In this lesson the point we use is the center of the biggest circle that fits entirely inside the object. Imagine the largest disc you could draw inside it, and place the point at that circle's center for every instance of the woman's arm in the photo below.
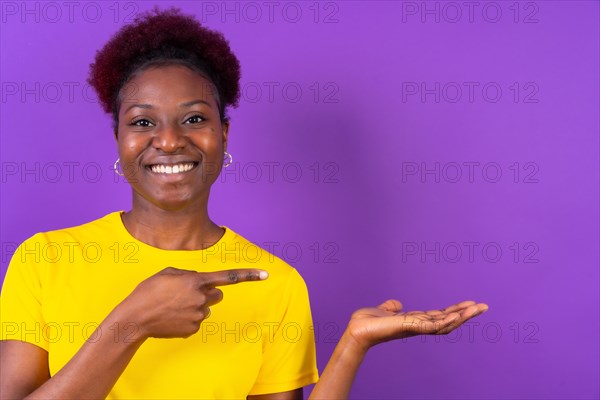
(370, 326)
(337, 378)
(23, 368)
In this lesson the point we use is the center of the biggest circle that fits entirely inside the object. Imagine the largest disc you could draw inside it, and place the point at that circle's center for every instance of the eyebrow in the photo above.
(186, 104)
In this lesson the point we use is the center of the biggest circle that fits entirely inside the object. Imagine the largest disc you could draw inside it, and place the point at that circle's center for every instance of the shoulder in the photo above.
(104, 224)
(109, 221)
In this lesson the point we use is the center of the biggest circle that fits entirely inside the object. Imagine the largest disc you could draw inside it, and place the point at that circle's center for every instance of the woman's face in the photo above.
(170, 136)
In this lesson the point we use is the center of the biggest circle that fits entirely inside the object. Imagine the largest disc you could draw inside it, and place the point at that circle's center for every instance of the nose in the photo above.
(169, 139)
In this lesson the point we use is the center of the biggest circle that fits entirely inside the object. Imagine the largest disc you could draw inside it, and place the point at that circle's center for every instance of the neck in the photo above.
(189, 228)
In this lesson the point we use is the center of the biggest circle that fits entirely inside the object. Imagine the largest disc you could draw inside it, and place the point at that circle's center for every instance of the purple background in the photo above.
(365, 223)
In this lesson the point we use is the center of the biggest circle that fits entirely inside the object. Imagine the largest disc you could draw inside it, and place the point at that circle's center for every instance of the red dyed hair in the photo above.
(161, 38)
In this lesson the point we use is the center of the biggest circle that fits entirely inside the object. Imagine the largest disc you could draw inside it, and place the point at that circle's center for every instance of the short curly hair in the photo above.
(158, 38)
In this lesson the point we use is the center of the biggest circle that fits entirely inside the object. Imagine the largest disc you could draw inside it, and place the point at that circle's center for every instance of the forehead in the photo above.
(168, 83)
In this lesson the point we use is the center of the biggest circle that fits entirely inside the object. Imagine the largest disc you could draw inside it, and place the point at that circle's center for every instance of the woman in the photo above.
(86, 311)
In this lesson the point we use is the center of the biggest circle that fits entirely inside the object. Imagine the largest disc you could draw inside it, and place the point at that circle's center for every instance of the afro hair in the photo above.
(160, 38)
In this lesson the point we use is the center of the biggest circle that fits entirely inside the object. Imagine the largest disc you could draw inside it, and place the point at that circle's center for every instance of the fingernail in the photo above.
(263, 275)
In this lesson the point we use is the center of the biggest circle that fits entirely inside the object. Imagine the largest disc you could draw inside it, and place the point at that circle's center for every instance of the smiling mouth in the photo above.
(172, 168)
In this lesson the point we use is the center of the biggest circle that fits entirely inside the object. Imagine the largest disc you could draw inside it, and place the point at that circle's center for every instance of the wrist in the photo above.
(352, 346)
(124, 327)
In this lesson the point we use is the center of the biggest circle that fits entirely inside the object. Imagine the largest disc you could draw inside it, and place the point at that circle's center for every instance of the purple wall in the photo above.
(431, 152)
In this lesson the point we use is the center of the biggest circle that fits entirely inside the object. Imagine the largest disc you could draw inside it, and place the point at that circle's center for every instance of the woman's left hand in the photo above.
(370, 326)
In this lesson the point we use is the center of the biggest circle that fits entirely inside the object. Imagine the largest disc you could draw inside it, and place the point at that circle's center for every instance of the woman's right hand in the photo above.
(173, 302)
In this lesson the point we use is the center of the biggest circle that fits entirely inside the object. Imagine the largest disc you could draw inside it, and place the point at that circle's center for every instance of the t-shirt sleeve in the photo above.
(21, 316)
(289, 353)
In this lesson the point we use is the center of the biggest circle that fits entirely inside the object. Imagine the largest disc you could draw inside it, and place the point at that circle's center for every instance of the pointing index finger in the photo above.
(232, 276)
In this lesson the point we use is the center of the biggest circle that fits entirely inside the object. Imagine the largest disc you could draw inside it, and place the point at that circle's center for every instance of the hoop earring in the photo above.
(116, 167)
(227, 159)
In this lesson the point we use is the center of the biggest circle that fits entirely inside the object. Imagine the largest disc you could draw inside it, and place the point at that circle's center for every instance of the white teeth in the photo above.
(172, 169)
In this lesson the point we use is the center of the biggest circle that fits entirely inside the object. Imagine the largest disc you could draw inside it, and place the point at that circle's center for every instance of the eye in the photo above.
(141, 122)
(195, 119)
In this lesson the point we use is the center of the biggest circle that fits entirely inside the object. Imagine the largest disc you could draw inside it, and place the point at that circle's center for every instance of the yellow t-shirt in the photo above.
(60, 285)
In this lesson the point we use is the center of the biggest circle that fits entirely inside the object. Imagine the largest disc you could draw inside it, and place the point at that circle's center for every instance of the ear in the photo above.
(225, 128)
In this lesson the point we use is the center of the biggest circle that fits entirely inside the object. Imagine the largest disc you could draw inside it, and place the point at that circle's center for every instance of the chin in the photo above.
(174, 200)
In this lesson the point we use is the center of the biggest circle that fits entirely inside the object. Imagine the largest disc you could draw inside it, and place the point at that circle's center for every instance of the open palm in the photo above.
(370, 326)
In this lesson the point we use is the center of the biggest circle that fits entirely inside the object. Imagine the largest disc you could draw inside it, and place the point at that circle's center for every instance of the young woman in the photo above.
(169, 304)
